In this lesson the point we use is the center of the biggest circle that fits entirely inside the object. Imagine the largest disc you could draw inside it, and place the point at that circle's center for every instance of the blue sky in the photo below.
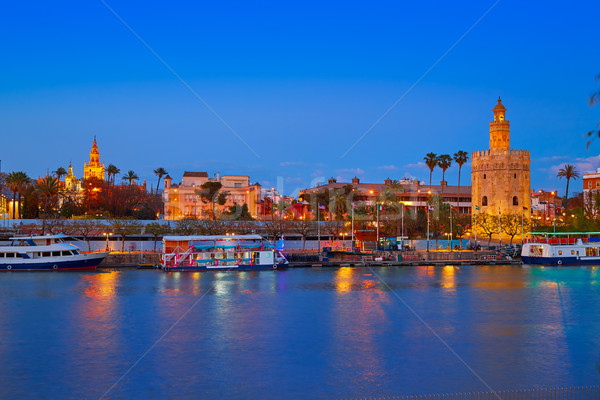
(299, 82)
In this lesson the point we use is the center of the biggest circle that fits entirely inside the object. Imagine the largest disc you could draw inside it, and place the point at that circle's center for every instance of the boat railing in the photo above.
(556, 241)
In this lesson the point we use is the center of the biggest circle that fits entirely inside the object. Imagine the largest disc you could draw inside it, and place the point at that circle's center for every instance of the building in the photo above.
(72, 184)
(94, 170)
(500, 176)
(545, 206)
(183, 199)
(591, 187)
(413, 193)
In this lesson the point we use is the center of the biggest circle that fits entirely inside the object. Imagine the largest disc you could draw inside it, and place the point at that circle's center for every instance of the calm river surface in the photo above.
(303, 333)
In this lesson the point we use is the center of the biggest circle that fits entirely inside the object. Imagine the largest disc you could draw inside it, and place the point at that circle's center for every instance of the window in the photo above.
(560, 252)
(484, 201)
(56, 254)
(515, 201)
(46, 254)
(515, 176)
(589, 184)
(237, 185)
(597, 183)
(483, 176)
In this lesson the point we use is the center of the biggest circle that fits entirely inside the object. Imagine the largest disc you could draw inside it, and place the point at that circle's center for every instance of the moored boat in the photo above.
(220, 252)
(46, 253)
(562, 248)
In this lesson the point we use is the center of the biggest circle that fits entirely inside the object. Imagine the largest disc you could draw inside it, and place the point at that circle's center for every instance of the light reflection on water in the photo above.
(297, 333)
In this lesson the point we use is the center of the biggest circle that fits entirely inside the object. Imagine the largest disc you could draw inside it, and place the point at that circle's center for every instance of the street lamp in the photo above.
(107, 236)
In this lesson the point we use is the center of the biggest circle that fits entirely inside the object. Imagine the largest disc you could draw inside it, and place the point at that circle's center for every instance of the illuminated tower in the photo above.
(94, 169)
(500, 176)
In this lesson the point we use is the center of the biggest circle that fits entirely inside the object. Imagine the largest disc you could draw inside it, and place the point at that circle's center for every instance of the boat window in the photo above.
(2, 255)
(46, 254)
(56, 254)
(560, 252)
(572, 252)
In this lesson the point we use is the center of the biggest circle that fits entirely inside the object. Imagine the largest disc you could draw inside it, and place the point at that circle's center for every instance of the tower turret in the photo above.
(499, 129)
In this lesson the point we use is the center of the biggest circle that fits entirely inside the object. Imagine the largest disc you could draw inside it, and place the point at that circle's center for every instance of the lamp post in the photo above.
(107, 236)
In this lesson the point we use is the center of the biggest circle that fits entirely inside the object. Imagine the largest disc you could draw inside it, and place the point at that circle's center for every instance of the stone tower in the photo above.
(500, 176)
(94, 169)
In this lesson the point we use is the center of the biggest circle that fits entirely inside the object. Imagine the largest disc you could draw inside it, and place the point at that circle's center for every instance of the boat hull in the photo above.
(561, 260)
(80, 262)
(255, 267)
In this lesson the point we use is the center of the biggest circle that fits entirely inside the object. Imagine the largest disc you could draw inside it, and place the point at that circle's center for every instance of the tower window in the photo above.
(515, 201)
(483, 176)
(484, 201)
(515, 176)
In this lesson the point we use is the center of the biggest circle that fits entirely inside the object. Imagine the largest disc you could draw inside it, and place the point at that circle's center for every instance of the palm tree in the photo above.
(60, 172)
(131, 176)
(17, 182)
(570, 172)
(48, 189)
(444, 162)
(112, 171)
(160, 172)
(431, 160)
(460, 157)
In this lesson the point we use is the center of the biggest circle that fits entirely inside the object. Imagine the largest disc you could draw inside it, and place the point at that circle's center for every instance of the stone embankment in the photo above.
(129, 259)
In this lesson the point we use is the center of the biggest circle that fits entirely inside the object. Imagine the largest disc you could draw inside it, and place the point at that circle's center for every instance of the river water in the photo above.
(301, 333)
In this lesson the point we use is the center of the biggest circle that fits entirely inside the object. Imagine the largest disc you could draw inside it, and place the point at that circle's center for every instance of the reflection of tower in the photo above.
(500, 176)
(94, 170)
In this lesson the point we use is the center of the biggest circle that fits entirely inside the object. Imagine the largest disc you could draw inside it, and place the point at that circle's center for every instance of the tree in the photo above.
(511, 225)
(431, 160)
(568, 172)
(211, 227)
(131, 177)
(302, 228)
(187, 226)
(87, 228)
(60, 172)
(160, 172)
(444, 162)
(487, 225)
(17, 182)
(112, 171)
(48, 189)
(460, 158)
(157, 230)
(124, 227)
(208, 194)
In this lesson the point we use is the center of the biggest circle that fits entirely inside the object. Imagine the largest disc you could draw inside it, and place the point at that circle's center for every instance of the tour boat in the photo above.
(220, 252)
(564, 248)
(46, 253)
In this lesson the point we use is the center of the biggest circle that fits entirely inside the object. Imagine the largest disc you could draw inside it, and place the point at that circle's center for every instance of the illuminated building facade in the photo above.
(182, 200)
(94, 170)
(500, 176)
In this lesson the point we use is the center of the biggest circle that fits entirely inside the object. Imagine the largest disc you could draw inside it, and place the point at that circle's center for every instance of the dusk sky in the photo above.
(299, 82)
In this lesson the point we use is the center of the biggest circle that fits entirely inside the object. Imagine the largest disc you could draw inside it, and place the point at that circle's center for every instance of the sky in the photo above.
(292, 93)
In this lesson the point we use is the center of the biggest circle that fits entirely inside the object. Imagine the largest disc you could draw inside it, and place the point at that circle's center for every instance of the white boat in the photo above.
(46, 253)
(220, 252)
(562, 248)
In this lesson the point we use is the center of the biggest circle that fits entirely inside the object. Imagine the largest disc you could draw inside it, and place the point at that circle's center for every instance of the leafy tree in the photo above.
(211, 227)
(208, 193)
(460, 158)
(568, 172)
(431, 160)
(160, 172)
(444, 161)
(487, 225)
(511, 225)
(124, 227)
(187, 226)
(88, 228)
(303, 228)
(157, 230)
(131, 177)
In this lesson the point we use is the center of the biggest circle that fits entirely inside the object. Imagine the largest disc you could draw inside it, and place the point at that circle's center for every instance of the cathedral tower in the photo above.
(94, 169)
(500, 176)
